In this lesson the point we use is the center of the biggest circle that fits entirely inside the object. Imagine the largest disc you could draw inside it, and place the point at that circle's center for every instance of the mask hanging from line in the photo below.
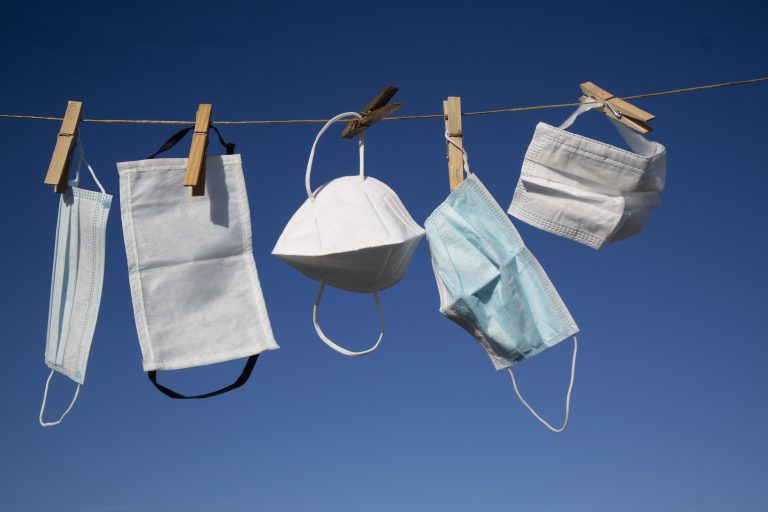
(353, 233)
(76, 282)
(491, 285)
(196, 294)
(586, 190)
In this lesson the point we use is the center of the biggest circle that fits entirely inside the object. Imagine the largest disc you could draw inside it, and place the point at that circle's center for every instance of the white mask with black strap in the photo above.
(196, 294)
(353, 233)
(586, 190)
(76, 283)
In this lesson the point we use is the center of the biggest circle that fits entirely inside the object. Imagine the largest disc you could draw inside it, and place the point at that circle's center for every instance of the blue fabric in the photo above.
(489, 282)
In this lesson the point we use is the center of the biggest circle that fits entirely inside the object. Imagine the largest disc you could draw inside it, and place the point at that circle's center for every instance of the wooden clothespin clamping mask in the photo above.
(618, 109)
(195, 174)
(376, 109)
(452, 111)
(58, 170)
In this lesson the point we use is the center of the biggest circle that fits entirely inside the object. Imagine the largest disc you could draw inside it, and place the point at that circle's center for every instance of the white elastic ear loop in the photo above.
(567, 398)
(361, 150)
(463, 152)
(579, 110)
(334, 346)
(310, 194)
(45, 397)
(636, 141)
(82, 159)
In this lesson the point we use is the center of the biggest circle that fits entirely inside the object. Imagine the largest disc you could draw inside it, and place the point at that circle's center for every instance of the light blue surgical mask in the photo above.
(490, 283)
(78, 274)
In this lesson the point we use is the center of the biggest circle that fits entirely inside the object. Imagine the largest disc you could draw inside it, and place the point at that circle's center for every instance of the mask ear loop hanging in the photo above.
(80, 161)
(634, 140)
(329, 342)
(45, 398)
(327, 125)
(567, 397)
(463, 153)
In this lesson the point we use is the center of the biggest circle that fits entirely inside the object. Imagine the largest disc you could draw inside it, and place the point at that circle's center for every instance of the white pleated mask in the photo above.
(76, 283)
(586, 190)
(353, 233)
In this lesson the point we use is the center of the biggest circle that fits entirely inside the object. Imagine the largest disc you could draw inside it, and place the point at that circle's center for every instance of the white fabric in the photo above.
(587, 190)
(77, 279)
(196, 293)
(353, 233)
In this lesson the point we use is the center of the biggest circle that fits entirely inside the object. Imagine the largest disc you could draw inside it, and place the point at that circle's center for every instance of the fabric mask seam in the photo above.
(394, 200)
(135, 276)
(91, 289)
(601, 159)
(554, 296)
(375, 210)
(565, 134)
(250, 260)
(53, 279)
(68, 305)
(498, 213)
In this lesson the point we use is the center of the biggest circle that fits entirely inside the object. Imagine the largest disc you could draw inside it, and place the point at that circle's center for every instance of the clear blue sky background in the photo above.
(669, 409)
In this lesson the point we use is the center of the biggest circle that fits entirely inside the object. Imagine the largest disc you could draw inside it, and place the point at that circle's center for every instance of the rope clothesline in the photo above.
(395, 118)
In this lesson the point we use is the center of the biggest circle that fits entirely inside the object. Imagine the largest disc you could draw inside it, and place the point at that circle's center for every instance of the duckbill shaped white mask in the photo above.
(353, 233)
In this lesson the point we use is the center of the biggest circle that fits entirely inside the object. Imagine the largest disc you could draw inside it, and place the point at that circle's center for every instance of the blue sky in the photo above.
(669, 408)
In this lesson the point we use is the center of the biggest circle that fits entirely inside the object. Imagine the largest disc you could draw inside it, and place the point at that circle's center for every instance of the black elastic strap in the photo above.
(176, 137)
(242, 379)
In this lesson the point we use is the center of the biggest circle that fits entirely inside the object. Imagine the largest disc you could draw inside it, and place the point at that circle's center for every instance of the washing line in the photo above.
(396, 118)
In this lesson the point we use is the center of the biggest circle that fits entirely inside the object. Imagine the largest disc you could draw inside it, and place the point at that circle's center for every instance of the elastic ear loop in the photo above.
(45, 398)
(634, 140)
(463, 153)
(334, 346)
(567, 398)
(327, 125)
(81, 160)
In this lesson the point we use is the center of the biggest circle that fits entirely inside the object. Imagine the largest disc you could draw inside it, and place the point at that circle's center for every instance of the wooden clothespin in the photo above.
(195, 174)
(618, 109)
(58, 170)
(452, 111)
(376, 109)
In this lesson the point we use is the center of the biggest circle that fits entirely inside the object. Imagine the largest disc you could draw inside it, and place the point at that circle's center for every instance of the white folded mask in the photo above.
(586, 190)
(352, 233)
(196, 293)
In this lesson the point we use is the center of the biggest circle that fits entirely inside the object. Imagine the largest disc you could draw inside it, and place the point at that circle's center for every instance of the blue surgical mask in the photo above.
(78, 275)
(490, 283)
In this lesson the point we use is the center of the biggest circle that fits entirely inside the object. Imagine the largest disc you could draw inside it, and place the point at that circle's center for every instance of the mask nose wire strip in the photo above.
(334, 346)
(463, 153)
(45, 397)
(567, 398)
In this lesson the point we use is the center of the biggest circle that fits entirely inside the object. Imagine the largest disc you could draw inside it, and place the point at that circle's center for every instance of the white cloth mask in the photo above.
(586, 190)
(78, 276)
(196, 293)
(353, 233)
